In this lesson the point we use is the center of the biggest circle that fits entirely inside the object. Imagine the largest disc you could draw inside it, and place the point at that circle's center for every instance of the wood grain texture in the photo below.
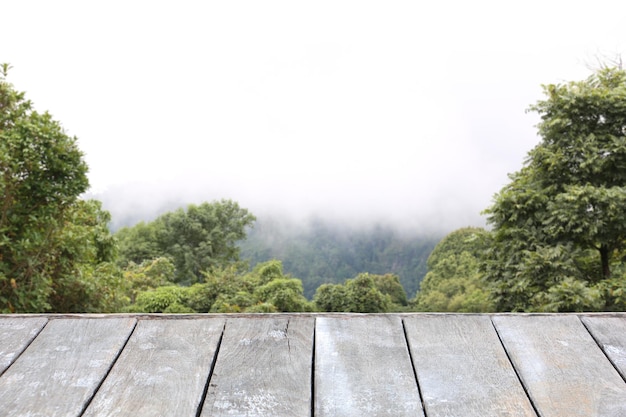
(266, 363)
(462, 368)
(363, 368)
(163, 370)
(61, 369)
(610, 334)
(15, 335)
(565, 372)
(263, 368)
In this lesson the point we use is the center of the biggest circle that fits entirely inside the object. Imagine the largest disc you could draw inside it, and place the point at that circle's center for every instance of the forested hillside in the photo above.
(188, 261)
(322, 251)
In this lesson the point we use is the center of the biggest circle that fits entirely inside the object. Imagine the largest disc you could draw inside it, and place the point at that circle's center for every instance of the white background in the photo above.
(406, 111)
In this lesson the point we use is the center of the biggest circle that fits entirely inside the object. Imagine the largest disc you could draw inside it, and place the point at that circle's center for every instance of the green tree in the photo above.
(167, 299)
(389, 284)
(197, 239)
(357, 295)
(138, 244)
(331, 297)
(83, 274)
(453, 281)
(285, 294)
(42, 173)
(559, 225)
(148, 275)
(364, 297)
(267, 271)
(229, 290)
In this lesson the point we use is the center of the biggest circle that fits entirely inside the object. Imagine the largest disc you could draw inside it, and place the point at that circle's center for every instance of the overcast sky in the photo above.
(401, 110)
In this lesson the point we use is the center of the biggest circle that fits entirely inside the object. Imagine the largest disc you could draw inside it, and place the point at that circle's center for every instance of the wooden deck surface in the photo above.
(430, 365)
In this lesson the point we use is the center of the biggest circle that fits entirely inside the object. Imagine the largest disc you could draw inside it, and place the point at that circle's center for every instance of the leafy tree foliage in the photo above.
(197, 239)
(228, 290)
(53, 247)
(285, 294)
(453, 281)
(359, 295)
(167, 299)
(559, 226)
(85, 277)
(389, 284)
(138, 244)
(148, 275)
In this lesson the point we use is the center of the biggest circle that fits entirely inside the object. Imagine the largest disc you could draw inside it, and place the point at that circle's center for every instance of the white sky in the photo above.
(403, 110)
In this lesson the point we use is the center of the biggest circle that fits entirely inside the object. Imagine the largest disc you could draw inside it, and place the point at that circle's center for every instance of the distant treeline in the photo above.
(322, 252)
(187, 260)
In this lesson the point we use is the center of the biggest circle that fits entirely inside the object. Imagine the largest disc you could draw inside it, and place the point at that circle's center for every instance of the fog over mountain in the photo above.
(408, 113)
(132, 203)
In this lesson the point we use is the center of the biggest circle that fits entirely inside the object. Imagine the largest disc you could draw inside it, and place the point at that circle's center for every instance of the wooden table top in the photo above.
(293, 365)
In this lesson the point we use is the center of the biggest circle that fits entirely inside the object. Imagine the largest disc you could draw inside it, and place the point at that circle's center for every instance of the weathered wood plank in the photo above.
(15, 335)
(363, 368)
(463, 369)
(610, 333)
(163, 370)
(564, 371)
(60, 370)
(263, 368)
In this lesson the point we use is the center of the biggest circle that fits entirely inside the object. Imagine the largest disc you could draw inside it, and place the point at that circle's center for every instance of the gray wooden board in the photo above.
(61, 369)
(363, 368)
(610, 333)
(462, 368)
(164, 369)
(565, 372)
(15, 335)
(263, 368)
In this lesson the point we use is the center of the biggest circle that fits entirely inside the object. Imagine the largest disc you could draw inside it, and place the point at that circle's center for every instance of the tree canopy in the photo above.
(228, 290)
(49, 239)
(454, 281)
(197, 239)
(559, 224)
(365, 293)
